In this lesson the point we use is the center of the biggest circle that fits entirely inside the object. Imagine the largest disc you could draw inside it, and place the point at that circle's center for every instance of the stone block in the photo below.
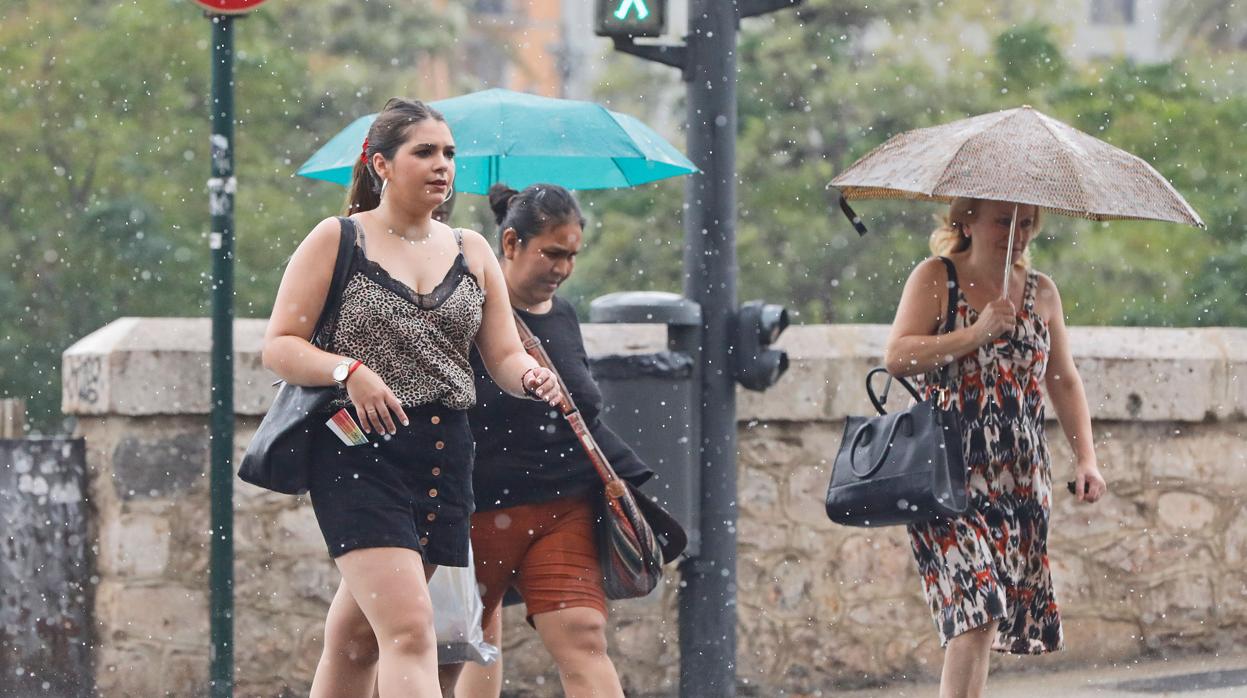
(800, 394)
(1230, 601)
(1149, 373)
(128, 669)
(782, 586)
(806, 494)
(150, 466)
(1233, 403)
(275, 584)
(1099, 640)
(190, 552)
(1185, 511)
(1076, 525)
(149, 366)
(297, 533)
(759, 493)
(155, 614)
(1235, 545)
(1181, 604)
(877, 564)
(134, 545)
(185, 673)
(762, 534)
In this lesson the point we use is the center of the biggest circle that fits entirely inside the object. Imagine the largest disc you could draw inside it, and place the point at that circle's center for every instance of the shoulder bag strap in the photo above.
(615, 487)
(341, 271)
(950, 320)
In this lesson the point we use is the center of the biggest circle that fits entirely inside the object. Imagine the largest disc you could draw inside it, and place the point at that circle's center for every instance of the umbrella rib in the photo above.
(957, 155)
(1082, 188)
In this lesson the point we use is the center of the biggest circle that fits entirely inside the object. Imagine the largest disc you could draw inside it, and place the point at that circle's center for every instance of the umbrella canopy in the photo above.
(523, 139)
(1021, 156)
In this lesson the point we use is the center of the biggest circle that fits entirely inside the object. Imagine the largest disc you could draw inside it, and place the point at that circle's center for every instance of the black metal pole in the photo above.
(707, 599)
(221, 476)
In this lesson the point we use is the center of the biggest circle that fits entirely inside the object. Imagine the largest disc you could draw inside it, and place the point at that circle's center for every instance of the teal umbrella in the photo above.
(523, 139)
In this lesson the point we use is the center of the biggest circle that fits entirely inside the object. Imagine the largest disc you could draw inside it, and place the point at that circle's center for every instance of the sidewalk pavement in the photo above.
(1222, 675)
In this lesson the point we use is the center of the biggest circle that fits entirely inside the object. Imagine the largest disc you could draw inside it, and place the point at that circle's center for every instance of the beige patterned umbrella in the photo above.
(1016, 155)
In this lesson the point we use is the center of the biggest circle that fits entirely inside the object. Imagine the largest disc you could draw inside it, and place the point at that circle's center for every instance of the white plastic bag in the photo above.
(457, 613)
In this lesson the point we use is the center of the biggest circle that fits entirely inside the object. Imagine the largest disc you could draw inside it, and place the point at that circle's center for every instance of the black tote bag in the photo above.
(903, 467)
(278, 456)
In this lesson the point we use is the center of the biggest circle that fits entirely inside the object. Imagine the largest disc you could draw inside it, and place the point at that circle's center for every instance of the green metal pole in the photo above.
(221, 189)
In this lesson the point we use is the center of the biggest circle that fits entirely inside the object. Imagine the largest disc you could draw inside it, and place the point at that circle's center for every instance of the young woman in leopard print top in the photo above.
(417, 297)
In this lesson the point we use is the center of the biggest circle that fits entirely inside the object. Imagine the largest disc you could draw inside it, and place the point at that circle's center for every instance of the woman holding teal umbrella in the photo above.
(418, 295)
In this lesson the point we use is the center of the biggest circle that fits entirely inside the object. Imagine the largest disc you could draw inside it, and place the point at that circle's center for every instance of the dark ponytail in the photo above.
(385, 136)
(532, 211)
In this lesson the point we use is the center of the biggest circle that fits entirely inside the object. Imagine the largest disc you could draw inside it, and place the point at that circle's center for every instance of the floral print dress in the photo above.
(991, 563)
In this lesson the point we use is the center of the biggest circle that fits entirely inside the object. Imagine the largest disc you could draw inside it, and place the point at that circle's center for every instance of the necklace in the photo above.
(408, 240)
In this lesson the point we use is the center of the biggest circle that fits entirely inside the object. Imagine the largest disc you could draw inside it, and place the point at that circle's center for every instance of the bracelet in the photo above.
(524, 384)
(351, 370)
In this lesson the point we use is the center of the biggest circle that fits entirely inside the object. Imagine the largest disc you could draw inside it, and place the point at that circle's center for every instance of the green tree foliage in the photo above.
(105, 131)
(821, 86)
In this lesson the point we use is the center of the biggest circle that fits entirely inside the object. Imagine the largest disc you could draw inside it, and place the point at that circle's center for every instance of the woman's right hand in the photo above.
(996, 319)
(374, 401)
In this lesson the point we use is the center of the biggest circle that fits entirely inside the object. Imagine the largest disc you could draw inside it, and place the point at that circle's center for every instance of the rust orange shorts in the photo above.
(547, 551)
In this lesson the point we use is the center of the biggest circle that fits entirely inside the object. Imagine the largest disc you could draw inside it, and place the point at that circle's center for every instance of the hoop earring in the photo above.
(384, 182)
(450, 194)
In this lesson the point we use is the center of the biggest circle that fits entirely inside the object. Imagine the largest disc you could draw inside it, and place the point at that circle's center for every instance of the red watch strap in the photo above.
(351, 370)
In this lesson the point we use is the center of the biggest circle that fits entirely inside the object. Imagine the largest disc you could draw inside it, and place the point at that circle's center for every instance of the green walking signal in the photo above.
(628, 18)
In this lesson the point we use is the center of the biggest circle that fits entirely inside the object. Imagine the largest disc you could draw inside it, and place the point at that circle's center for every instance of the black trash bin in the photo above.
(650, 399)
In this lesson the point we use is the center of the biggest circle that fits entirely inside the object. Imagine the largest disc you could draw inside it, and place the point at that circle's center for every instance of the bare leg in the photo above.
(966, 661)
(576, 638)
(389, 587)
(448, 677)
(479, 680)
(348, 664)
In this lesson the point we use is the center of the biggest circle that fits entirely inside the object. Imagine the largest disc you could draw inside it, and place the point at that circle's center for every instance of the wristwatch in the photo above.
(342, 371)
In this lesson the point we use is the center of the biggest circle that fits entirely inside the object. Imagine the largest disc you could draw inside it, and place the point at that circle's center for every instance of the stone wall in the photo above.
(1158, 566)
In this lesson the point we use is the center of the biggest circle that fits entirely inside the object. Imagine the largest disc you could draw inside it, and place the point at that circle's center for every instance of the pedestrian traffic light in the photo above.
(755, 364)
(624, 18)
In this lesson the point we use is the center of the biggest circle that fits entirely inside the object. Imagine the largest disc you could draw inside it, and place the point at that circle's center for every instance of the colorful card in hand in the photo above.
(344, 426)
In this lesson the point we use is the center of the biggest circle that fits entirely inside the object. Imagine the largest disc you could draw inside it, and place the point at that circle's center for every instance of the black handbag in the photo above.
(280, 452)
(903, 467)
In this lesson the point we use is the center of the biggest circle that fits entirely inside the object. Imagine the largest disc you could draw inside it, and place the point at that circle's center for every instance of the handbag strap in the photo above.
(615, 486)
(950, 319)
(341, 271)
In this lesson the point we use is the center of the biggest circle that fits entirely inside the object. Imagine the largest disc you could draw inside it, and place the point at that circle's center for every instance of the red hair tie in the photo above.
(363, 156)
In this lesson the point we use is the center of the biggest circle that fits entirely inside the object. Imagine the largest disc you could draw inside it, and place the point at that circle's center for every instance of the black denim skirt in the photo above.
(410, 490)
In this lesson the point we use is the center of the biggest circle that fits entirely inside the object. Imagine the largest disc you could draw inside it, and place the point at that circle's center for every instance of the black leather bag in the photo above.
(279, 454)
(904, 467)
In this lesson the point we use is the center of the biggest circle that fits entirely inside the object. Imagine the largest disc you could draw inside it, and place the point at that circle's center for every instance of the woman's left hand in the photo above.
(1089, 484)
(541, 384)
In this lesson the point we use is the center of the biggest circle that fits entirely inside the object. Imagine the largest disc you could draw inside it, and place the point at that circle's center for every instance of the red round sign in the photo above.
(229, 7)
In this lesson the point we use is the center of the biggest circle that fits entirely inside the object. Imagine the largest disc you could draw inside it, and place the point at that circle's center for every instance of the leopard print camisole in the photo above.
(417, 342)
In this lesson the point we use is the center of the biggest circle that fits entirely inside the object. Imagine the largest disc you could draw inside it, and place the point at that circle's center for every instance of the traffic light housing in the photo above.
(628, 18)
(756, 365)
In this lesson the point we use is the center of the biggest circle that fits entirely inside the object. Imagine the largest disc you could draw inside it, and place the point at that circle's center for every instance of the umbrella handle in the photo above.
(1013, 226)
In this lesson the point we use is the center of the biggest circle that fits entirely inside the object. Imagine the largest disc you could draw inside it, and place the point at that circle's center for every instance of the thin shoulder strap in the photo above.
(1032, 288)
(459, 238)
(341, 270)
(359, 232)
(950, 319)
